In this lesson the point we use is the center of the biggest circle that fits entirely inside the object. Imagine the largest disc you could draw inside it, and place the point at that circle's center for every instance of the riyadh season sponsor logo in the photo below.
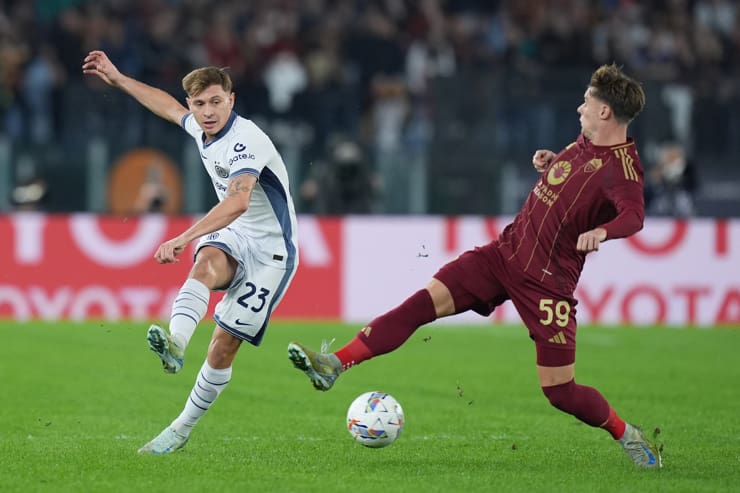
(558, 172)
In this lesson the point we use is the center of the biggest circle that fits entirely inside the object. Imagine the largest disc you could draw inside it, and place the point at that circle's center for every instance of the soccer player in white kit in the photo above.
(248, 243)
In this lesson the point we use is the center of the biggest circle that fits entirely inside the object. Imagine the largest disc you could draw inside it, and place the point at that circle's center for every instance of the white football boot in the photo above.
(165, 443)
(171, 354)
(322, 368)
(642, 452)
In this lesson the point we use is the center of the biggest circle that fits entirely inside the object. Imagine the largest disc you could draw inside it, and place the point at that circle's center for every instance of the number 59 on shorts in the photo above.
(554, 311)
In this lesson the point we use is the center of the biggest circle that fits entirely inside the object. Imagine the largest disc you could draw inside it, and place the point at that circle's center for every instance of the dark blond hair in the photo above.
(623, 94)
(201, 78)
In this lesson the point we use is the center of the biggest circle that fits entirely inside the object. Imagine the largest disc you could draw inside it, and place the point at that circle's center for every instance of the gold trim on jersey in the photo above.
(627, 164)
(623, 146)
(545, 270)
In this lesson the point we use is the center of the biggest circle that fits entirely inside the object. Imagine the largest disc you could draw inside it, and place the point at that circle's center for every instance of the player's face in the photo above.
(591, 112)
(212, 108)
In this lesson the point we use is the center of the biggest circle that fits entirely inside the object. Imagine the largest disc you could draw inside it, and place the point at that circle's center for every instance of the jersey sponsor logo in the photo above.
(212, 236)
(593, 165)
(558, 338)
(367, 331)
(243, 155)
(558, 172)
(222, 172)
(219, 186)
(544, 193)
(243, 324)
(239, 147)
(627, 164)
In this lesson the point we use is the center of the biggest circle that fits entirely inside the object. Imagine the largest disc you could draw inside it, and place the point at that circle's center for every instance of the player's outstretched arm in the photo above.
(155, 100)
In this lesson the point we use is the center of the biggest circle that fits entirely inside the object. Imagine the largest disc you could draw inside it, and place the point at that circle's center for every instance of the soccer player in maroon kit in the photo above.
(590, 192)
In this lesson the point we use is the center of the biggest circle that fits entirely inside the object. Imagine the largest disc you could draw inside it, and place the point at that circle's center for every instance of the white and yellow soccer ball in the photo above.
(375, 419)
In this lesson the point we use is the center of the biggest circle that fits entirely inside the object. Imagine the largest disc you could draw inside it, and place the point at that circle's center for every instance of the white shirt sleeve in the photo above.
(189, 124)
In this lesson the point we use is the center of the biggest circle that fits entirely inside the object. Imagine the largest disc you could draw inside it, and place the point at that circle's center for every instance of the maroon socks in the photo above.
(389, 331)
(586, 404)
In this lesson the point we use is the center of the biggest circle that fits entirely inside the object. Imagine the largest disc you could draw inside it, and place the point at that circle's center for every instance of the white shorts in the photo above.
(255, 290)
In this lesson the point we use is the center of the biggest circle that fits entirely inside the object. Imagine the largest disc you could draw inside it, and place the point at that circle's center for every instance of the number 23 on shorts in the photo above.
(557, 311)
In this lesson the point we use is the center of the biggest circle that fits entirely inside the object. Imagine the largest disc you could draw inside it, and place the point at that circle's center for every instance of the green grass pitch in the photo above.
(78, 399)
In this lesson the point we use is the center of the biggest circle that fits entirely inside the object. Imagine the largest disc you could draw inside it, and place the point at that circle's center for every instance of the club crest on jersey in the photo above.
(222, 172)
(593, 165)
(558, 172)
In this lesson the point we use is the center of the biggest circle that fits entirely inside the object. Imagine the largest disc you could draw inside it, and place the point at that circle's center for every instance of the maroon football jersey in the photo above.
(584, 187)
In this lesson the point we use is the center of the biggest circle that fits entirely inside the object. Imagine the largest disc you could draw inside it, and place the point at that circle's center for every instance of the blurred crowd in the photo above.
(357, 72)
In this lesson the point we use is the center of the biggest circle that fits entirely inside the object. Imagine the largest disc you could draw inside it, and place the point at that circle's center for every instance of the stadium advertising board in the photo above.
(672, 272)
(87, 266)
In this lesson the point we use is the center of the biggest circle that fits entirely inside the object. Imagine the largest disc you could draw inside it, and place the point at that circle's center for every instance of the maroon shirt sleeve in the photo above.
(625, 191)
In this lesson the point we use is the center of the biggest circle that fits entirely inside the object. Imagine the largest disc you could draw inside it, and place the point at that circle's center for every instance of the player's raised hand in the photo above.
(590, 240)
(169, 250)
(97, 63)
(542, 158)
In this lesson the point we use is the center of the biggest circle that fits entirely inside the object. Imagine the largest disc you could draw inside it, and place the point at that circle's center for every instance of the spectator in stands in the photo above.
(338, 50)
(30, 191)
(343, 184)
(672, 184)
(43, 76)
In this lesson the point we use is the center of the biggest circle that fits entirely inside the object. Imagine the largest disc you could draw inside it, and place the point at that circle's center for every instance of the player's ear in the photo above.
(605, 112)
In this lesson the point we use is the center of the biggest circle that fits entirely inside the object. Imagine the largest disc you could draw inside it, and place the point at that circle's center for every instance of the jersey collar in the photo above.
(221, 133)
(583, 141)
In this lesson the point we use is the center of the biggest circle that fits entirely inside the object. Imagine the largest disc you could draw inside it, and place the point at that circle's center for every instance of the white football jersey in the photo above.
(269, 224)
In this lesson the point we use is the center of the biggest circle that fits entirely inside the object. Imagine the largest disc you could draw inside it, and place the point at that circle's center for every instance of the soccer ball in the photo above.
(375, 419)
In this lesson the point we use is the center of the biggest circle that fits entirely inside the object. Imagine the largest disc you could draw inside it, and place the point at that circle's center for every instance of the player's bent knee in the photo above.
(213, 268)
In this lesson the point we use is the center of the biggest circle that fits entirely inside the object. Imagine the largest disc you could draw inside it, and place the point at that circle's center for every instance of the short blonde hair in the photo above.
(201, 78)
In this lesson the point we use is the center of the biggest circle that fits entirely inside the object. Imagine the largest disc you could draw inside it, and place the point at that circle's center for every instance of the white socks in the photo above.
(209, 384)
(188, 310)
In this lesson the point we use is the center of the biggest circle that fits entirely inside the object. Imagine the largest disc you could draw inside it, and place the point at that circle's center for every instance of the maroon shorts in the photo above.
(480, 280)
